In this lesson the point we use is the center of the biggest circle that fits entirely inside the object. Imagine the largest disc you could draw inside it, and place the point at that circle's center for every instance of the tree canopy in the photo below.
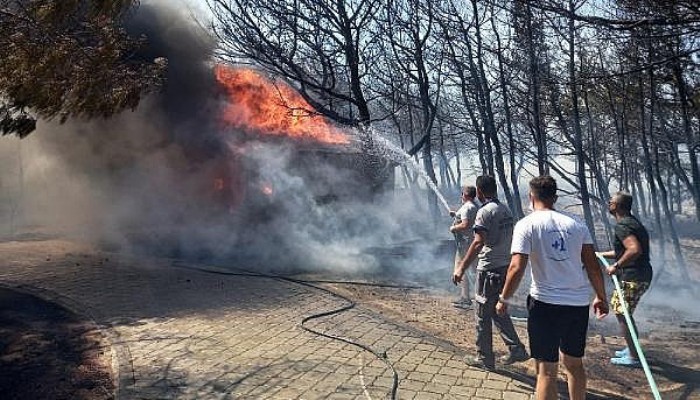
(69, 59)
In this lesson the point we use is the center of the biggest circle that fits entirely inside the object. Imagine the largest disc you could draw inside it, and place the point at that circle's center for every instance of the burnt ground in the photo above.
(671, 342)
(48, 352)
(668, 319)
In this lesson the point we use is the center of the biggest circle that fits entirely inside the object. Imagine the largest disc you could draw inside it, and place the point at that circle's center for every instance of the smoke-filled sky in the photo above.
(196, 7)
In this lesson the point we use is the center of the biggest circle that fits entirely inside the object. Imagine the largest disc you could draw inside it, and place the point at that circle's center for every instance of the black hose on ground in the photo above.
(351, 304)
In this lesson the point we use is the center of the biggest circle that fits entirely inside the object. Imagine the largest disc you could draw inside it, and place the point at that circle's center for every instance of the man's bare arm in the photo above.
(516, 271)
(633, 249)
(460, 227)
(468, 258)
(595, 276)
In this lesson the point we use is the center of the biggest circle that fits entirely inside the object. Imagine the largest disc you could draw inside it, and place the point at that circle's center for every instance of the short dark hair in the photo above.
(623, 200)
(469, 191)
(544, 188)
(487, 185)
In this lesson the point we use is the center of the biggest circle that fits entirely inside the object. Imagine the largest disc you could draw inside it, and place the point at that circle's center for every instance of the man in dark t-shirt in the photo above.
(631, 252)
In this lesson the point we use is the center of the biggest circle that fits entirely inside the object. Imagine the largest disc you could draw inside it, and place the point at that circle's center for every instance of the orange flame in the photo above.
(272, 107)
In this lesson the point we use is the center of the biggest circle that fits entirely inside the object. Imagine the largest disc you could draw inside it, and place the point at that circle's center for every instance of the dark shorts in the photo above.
(553, 327)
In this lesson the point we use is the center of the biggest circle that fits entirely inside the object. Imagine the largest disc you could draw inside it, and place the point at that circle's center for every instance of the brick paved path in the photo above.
(179, 333)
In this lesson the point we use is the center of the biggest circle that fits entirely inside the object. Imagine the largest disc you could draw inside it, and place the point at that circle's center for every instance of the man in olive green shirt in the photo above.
(631, 250)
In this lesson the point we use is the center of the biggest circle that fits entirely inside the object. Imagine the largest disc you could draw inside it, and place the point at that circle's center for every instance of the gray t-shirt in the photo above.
(495, 223)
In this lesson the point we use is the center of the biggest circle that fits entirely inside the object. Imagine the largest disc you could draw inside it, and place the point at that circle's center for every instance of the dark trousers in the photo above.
(489, 285)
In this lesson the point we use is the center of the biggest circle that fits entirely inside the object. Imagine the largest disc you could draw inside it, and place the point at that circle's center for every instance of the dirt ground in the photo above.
(48, 352)
(671, 342)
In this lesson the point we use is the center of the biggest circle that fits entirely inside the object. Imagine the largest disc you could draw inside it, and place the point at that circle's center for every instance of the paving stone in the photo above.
(451, 371)
(515, 396)
(435, 361)
(430, 369)
(410, 384)
(462, 391)
(435, 387)
(420, 376)
(405, 394)
(489, 393)
(429, 396)
(494, 384)
(188, 334)
(341, 396)
(445, 380)
(474, 373)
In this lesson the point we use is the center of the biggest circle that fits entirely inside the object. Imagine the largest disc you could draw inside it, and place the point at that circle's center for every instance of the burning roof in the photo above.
(272, 107)
(263, 110)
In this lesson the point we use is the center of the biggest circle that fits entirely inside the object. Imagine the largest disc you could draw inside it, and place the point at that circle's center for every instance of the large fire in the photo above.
(272, 107)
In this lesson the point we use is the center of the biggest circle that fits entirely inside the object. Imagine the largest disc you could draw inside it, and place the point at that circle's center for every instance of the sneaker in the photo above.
(461, 300)
(462, 303)
(623, 353)
(517, 355)
(478, 362)
(626, 362)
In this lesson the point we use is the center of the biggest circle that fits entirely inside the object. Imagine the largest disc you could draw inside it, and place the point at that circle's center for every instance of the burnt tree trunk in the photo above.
(517, 200)
(648, 170)
(578, 134)
(488, 116)
(687, 130)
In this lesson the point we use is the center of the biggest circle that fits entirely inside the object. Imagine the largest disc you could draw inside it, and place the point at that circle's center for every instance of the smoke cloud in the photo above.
(167, 179)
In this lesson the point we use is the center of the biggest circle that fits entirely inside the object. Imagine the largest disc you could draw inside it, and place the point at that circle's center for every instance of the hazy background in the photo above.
(140, 182)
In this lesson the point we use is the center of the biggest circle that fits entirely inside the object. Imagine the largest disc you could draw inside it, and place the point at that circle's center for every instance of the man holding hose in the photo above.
(463, 230)
(631, 250)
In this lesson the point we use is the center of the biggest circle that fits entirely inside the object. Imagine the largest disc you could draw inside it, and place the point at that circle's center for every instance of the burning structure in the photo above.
(222, 163)
(265, 166)
(259, 112)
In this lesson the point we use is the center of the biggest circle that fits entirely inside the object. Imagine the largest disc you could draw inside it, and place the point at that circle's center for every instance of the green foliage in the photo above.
(68, 59)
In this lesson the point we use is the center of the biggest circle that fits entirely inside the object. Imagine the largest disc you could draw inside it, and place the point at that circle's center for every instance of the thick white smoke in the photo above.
(143, 181)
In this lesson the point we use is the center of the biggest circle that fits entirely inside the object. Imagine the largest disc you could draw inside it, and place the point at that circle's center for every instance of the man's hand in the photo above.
(600, 308)
(457, 277)
(501, 308)
(612, 269)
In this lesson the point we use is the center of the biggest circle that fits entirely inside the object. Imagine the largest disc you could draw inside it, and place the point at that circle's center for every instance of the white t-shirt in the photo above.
(467, 212)
(553, 242)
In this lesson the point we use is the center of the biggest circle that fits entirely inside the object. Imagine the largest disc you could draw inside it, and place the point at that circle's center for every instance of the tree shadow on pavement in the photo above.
(48, 352)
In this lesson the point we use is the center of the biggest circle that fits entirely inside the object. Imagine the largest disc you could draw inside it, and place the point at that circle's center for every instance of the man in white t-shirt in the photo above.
(560, 250)
(463, 230)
